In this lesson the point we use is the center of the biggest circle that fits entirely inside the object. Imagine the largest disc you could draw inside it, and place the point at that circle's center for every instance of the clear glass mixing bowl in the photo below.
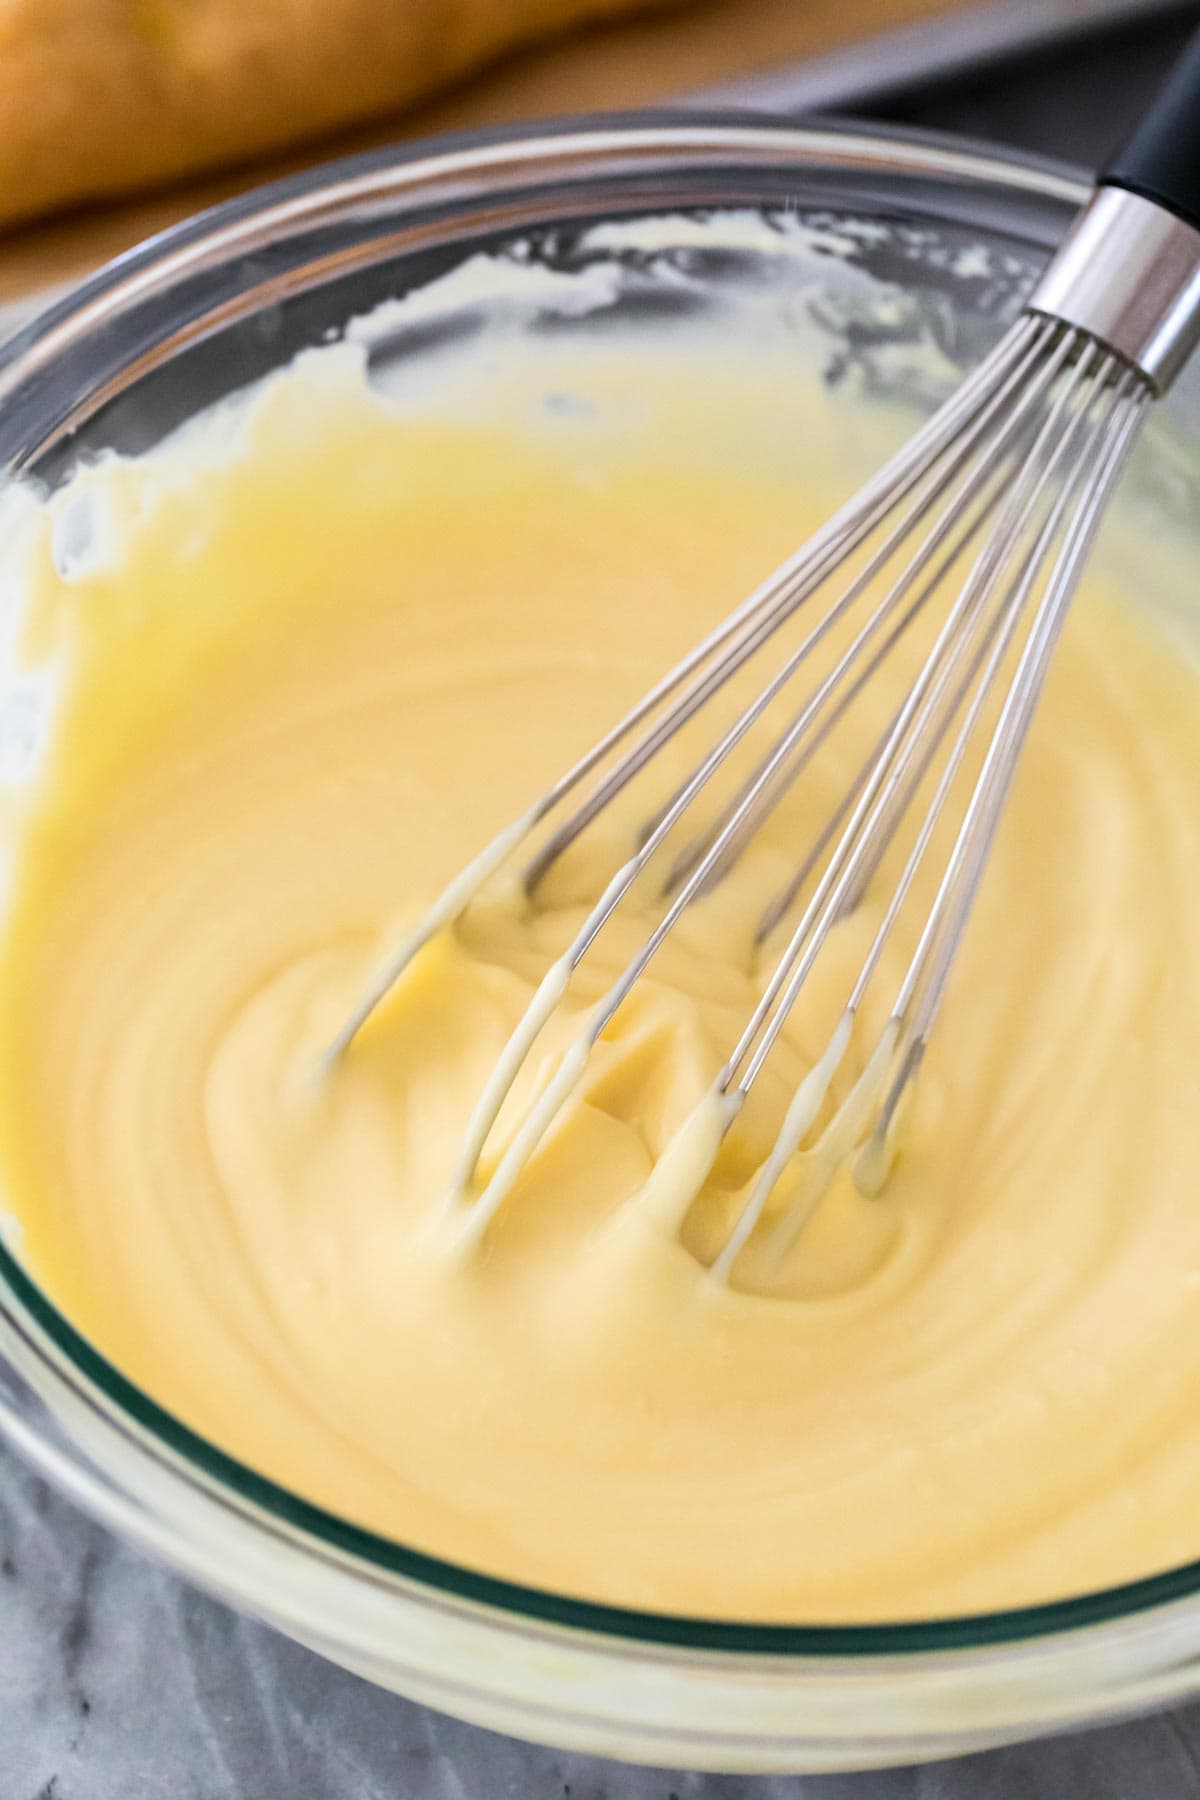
(899, 244)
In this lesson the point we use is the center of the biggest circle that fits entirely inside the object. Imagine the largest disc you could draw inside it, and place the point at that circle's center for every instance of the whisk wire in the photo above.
(771, 603)
(926, 980)
(896, 754)
(799, 579)
(893, 762)
(1012, 475)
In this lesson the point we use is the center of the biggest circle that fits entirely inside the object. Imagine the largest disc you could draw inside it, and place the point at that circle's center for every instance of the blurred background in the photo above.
(119, 116)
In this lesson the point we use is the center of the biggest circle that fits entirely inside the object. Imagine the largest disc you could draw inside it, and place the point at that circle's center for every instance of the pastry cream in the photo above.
(305, 664)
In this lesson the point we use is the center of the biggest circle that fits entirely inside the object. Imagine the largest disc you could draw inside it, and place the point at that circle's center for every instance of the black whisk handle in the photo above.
(1161, 161)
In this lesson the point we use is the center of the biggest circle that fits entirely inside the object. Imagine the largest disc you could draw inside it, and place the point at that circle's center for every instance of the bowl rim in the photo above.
(29, 1313)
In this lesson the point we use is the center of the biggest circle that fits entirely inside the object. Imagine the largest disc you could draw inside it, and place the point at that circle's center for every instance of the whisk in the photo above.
(995, 501)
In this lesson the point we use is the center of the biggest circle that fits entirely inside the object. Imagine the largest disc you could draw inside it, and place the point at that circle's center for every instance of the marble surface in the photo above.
(118, 1682)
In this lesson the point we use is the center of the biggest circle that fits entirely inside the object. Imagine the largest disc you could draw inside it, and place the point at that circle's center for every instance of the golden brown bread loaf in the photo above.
(103, 96)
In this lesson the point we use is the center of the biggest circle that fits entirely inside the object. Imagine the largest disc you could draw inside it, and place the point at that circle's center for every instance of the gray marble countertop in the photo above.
(117, 1682)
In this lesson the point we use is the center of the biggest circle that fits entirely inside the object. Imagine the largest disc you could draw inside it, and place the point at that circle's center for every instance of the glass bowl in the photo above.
(894, 245)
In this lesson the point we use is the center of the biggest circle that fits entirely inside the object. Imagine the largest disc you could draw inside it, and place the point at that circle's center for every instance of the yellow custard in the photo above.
(312, 667)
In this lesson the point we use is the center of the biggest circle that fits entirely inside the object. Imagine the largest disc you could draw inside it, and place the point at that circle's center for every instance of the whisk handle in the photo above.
(1128, 271)
(1161, 161)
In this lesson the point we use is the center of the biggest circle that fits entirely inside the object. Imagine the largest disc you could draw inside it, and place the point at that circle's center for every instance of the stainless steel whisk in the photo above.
(1006, 484)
